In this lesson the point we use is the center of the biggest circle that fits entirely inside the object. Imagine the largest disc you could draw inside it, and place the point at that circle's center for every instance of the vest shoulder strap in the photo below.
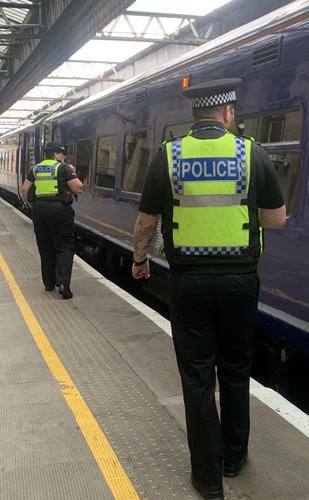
(171, 139)
(245, 137)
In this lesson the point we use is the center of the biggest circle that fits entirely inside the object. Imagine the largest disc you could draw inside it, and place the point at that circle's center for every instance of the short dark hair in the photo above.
(49, 156)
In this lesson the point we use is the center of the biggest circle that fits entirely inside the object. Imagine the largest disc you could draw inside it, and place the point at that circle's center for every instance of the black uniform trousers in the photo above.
(54, 230)
(213, 324)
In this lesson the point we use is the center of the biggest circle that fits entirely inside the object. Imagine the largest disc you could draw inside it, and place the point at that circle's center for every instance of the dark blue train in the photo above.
(113, 136)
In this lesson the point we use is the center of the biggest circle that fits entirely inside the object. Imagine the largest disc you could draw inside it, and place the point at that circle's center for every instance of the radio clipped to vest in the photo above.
(67, 196)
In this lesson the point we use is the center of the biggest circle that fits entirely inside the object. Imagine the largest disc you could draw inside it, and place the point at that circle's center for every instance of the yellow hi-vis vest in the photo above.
(45, 179)
(212, 214)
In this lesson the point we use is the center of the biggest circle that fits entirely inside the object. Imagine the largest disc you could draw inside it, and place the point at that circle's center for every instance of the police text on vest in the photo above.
(209, 169)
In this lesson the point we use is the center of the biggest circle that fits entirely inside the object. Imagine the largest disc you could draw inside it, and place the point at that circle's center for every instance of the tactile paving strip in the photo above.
(146, 439)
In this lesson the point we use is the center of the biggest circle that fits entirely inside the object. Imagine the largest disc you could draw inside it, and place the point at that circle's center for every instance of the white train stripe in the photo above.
(287, 318)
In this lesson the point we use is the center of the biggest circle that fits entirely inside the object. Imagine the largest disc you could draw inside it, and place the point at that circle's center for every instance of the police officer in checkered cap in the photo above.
(214, 191)
(53, 185)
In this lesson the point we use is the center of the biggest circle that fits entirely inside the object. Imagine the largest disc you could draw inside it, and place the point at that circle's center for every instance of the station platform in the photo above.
(90, 397)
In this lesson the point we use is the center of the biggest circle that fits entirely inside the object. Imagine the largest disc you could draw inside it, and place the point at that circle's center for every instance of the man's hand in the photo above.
(142, 271)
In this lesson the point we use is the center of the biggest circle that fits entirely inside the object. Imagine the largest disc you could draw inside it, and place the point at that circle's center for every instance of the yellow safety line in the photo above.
(111, 468)
(97, 221)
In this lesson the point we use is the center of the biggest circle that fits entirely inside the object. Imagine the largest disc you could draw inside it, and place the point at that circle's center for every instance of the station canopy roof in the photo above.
(100, 58)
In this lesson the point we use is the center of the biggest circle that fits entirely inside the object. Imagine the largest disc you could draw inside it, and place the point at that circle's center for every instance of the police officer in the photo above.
(214, 191)
(55, 184)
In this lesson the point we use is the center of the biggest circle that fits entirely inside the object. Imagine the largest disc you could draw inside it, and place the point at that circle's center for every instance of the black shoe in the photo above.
(208, 492)
(65, 291)
(233, 469)
(49, 288)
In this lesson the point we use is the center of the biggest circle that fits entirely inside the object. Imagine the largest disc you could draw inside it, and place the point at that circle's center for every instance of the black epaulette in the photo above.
(174, 138)
(244, 137)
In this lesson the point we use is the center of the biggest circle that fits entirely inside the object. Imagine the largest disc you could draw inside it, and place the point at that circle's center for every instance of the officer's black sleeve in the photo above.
(67, 173)
(30, 176)
(153, 196)
(269, 194)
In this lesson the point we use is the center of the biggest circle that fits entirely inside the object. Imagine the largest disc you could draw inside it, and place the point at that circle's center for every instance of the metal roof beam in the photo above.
(28, 6)
(9, 26)
(17, 36)
(56, 85)
(151, 40)
(34, 99)
(78, 78)
(91, 62)
(8, 56)
(158, 14)
(77, 21)
(30, 110)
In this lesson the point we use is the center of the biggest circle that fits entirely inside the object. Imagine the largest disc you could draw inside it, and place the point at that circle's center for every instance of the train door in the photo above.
(19, 153)
(83, 160)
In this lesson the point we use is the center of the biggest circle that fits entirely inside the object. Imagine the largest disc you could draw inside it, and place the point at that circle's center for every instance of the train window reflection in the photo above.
(287, 166)
(70, 157)
(5, 164)
(138, 154)
(106, 162)
(83, 160)
(176, 130)
(277, 126)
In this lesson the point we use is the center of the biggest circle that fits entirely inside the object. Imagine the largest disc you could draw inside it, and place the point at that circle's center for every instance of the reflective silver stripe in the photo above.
(210, 200)
(176, 154)
(211, 250)
(241, 153)
(45, 178)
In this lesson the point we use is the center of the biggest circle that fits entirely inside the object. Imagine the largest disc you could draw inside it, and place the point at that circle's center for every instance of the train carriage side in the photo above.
(21, 150)
(114, 144)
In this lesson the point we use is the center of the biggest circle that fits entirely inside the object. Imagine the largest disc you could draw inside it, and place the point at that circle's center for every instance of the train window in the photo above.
(274, 130)
(69, 150)
(5, 164)
(277, 126)
(287, 166)
(83, 160)
(138, 154)
(106, 162)
(176, 130)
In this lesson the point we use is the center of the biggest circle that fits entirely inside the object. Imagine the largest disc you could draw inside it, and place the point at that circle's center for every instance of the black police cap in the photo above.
(214, 93)
(55, 147)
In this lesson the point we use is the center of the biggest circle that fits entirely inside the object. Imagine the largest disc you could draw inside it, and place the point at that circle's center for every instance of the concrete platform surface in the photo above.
(90, 397)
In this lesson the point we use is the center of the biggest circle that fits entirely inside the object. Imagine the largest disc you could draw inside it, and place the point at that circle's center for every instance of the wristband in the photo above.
(139, 263)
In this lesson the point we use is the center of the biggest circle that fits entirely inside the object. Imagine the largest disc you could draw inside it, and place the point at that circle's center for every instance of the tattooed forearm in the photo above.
(145, 228)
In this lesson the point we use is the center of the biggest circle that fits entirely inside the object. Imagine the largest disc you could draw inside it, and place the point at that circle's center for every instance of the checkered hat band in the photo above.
(214, 100)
